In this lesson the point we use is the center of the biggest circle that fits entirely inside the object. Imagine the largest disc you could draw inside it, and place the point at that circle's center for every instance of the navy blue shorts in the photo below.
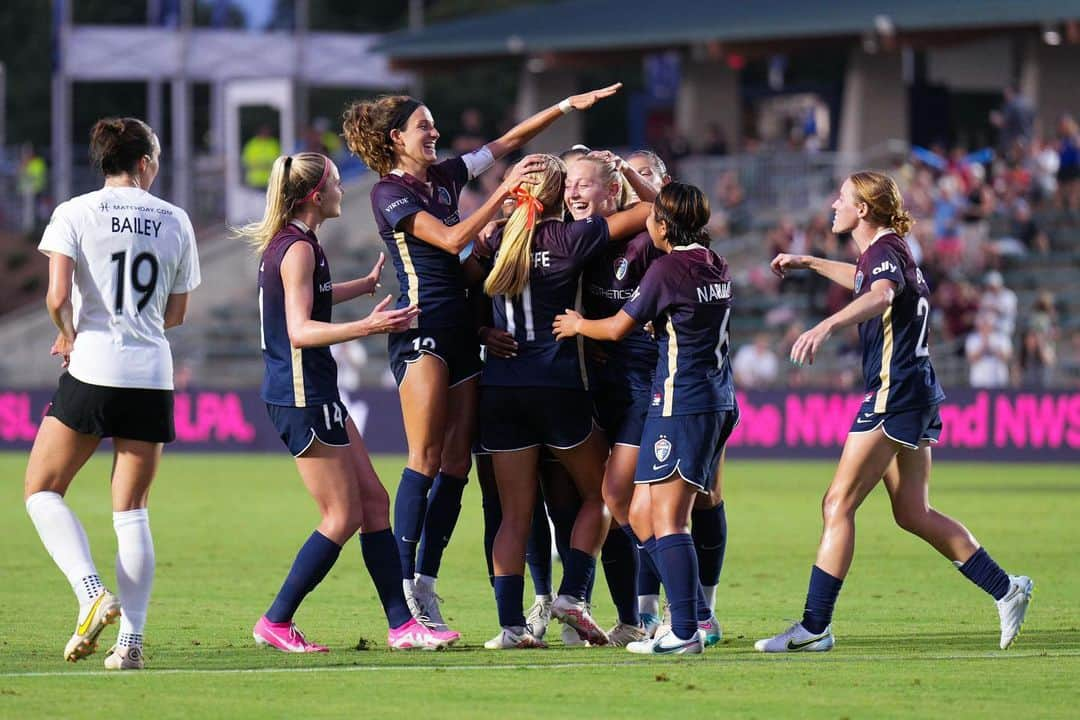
(299, 427)
(621, 411)
(458, 348)
(689, 444)
(907, 427)
(516, 418)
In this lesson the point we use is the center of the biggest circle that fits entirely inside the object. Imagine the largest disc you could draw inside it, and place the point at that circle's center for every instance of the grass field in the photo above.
(914, 639)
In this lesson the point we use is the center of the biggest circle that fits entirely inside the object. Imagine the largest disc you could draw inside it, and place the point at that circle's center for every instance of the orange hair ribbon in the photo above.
(521, 197)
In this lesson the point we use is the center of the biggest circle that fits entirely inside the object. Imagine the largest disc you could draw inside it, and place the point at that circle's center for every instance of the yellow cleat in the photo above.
(103, 611)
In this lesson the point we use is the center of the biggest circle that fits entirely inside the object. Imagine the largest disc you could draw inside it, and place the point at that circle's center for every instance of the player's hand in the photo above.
(484, 236)
(606, 156)
(784, 262)
(62, 346)
(806, 347)
(585, 101)
(382, 320)
(498, 342)
(373, 277)
(525, 172)
(566, 325)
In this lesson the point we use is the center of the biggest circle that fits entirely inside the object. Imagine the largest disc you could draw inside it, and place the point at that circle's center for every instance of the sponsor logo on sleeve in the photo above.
(885, 266)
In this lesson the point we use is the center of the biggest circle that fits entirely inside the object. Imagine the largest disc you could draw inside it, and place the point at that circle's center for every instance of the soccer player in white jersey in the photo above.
(121, 265)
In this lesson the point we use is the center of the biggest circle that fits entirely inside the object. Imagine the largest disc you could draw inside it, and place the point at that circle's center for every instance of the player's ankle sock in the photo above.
(618, 557)
(134, 567)
(509, 596)
(63, 536)
(380, 558)
(820, 600)
(538, 550)
(410, 509)
(578, 571)
(648, 579)
(443, 509)
(128, 639)
(314, 560)
(678, 567)
(981, 569)
(709, 530)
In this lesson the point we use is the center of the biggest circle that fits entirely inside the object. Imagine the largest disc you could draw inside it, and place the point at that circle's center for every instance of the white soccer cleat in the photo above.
(124, 658)
(1013, 607)
(669, 644)
(571, 637)
(515, 638)
(797, 639)
(577, 614)
(623, 634)
(539, 616)
(665, 622)
(92, 620)
(712, 630)
(425, 607)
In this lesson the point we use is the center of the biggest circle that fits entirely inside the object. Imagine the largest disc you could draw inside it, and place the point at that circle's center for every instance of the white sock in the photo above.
(649, 604)
(63, 536)
(134, 568)
(710, 595)
(425, 582)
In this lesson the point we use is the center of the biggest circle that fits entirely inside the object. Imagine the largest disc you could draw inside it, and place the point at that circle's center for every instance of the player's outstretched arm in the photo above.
(529, 128)
(612, 328)
(841, 273)
(862, 308)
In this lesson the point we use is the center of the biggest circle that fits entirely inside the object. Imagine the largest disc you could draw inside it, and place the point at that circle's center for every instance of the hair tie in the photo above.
(318, 185)
(521, 197)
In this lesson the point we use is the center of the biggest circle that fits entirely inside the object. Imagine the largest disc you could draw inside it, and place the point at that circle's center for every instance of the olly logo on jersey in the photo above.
(662, 449)
(885, 266)
(136, 226)
(622, 265)
(713, 292)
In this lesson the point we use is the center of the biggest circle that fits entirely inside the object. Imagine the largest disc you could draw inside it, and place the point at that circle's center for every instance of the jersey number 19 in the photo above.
(135, 271)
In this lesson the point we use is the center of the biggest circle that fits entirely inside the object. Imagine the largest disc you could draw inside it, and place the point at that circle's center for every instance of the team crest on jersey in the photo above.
(858, 280)
(444, 196)
(622, 265)
(662, 449)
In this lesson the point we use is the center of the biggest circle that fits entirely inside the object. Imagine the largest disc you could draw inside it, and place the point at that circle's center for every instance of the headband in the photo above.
(318, 185)
(404, 112)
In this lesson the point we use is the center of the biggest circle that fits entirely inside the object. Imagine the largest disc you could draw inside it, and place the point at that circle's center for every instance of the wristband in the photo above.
(565, 107)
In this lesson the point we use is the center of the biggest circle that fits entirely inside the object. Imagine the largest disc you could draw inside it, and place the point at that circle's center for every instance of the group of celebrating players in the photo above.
(572, 333)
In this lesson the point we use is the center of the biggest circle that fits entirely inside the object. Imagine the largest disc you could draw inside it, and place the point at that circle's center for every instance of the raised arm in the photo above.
(529, 128)
(841, 273)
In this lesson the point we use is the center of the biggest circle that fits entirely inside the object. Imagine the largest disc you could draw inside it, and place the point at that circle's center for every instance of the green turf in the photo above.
(914, 638)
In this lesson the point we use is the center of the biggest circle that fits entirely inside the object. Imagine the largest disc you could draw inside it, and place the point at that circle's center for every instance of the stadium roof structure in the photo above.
(589, 26)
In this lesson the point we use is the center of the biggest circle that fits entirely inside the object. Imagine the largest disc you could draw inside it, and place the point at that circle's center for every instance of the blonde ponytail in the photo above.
(292, 179)
(885, 204)
(513, 260)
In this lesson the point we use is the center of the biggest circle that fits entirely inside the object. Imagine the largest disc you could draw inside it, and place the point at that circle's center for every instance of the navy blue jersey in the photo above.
(429, 277)
(294, 377)
(687, 295)
(896, 357)
(560, 251)
(610, 280)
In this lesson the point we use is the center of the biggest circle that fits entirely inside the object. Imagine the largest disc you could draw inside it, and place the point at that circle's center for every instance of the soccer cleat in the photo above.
(285, 637)
(515, 638)
(539, 616)
(623, 634)
(575, 613)
(1013, 607)
(425, 607)
(124, 658)
(571, 637)
(669, 644)
(92, 620)
(665, 622)
(650, 623)
(797, 639)
(415, 635)
(713, 632)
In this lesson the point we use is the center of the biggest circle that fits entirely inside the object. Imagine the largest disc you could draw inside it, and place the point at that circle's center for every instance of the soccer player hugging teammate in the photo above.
(539, 397)
(686, 293)
(891, 435)
(296, 295)
(121, 265)
(436, 361)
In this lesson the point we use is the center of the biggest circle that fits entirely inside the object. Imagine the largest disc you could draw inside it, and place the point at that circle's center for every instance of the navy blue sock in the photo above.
(538, 549)
(443, 509)
(704, 614)
(563, 520)
(410, 507)
(509, 592)
(379, 553)
(619, 557)
(492, 520)
(317, 555)
(578, 570)
(981, 569)
(648, 579)
(709, 530)
(820, 600)
(678, 567)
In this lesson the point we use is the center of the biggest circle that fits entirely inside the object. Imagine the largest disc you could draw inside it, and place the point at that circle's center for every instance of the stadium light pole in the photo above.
(61, 103)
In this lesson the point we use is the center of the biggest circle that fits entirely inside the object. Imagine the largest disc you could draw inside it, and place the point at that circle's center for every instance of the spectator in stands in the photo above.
(1000, 302)
(258, 157)
(959, 302)
(731, 200)
(755, 365)
(33, 179)
(715, 141)
(1068, 174)
(988, 353)
(1015, 121)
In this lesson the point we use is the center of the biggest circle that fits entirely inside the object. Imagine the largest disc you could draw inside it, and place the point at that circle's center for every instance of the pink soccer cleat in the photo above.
(285, 637)
(575, 613)
(415, 635)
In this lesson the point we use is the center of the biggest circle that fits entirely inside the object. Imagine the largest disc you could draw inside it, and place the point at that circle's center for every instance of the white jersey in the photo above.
(131, 251)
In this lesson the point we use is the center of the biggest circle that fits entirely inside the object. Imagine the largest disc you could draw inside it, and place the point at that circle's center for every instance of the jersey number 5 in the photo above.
(136, 272)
